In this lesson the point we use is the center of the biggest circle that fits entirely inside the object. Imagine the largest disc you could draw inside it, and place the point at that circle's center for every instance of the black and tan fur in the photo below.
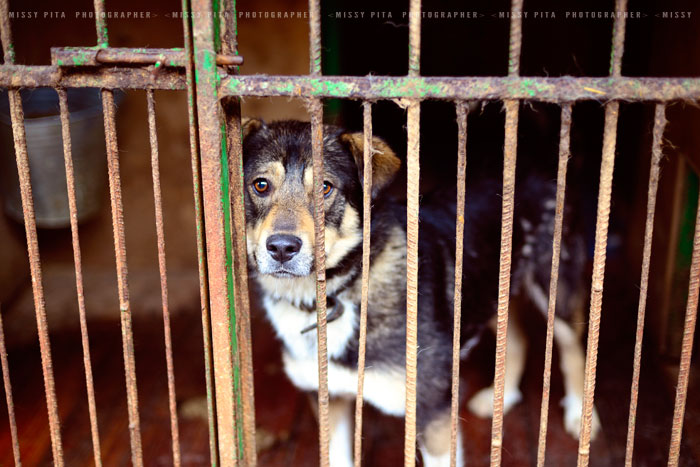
(280, 154)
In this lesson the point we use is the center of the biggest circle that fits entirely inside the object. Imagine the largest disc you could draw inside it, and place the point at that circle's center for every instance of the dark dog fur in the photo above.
(279, 154)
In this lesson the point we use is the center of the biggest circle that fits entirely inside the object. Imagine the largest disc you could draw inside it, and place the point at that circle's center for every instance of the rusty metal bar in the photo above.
(115, 191)
(603, 216)
(686, 348)
(462, 112)
(158, 202)
(77, 259)
(216, 197)
(17, 117)
(601, 241)
(18, 76)
(510, 153)
(618, 39)
(8, 396)
(101, 23)
(18, 133)
(556, 90)
(201, 245)
(316, 110)
(364, 301)
(516, 38)
(564, 155)
(96, 56)
(656, 154)
(412, 194)
(245, 408)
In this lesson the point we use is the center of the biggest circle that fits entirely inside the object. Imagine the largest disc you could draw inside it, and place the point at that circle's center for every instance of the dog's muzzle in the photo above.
(283, 247)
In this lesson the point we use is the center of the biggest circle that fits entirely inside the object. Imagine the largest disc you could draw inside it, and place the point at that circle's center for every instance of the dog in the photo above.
(278, 178)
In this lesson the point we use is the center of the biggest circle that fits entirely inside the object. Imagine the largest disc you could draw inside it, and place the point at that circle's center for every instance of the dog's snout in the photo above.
(283, 247)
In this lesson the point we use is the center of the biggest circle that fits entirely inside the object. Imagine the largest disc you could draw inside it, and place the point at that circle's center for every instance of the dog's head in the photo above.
(278, 193)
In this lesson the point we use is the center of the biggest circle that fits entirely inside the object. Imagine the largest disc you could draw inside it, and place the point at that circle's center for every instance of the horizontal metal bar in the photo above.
(96, 56)
(563, 89)
(18, 76)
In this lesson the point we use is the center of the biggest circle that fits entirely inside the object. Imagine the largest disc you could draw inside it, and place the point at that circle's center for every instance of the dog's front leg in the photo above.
(435, 442)
(340, 426)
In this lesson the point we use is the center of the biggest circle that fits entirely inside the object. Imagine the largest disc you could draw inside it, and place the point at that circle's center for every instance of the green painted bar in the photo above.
(562, 89)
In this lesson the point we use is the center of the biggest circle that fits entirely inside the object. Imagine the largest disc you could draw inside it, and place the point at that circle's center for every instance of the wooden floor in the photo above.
(287, 428)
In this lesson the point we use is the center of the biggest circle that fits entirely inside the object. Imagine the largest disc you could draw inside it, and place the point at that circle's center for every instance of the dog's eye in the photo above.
(261, 185)
(327, 189)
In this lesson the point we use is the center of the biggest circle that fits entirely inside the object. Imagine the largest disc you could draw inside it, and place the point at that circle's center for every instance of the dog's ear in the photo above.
(385, 164)
(250, 125)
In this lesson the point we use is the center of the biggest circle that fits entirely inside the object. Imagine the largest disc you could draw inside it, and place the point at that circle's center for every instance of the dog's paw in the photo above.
(481, 404)
(573, 406)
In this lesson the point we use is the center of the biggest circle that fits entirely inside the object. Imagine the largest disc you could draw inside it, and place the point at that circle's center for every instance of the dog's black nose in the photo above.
(283, 247)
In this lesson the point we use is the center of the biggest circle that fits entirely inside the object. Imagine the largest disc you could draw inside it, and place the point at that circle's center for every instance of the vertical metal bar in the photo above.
(77, 259)
(656, 154)
(216, 199)
(618, 38)
(412, 193)
(17, 117)
(320, 260)
(8, 396)
(686, 348)
(516, 37)
(232, 112)
(316, 110)
(510, 153)
(601, 240)
(364, 301)
(157, 198)
(413, 176)
(115, 191)
(101, 23)
(201, 245)
(564, 154)
(603, 215)
(462, 112)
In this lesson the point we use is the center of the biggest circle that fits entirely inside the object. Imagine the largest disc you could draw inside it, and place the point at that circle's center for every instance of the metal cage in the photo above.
(210, 55)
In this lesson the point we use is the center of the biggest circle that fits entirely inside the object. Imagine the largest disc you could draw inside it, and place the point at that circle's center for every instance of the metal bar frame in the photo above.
(214, 113)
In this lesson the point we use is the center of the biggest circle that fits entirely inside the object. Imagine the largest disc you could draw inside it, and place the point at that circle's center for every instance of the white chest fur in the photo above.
(383, 387)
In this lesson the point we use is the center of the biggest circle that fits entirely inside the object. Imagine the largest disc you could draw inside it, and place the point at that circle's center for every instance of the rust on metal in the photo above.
(686, 348)
(555, 90)
(364, 300)
(215, 194)
(516, 37)
(656, 154)
(19, 76)
(245, 409)
(564, 155)
(316, 110)
(160, 234)
(462, 112)
(8, 396)
(201, 242)
(601, 241)
(115, 192)
(17, 116)
(96, 56)
(232, 111)
(510, 153)
(77, 259)
(20, 142)
(618, 38)
(412, 194)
